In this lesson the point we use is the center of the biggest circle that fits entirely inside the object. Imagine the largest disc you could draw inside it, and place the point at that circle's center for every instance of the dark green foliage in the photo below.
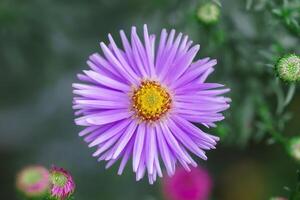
(22, 196)
(247, 43)
(295, 195)
(289, 14)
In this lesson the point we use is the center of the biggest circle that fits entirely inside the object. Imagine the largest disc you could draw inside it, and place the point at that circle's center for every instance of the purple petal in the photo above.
(164, 151)
(122, 60)
(117, 127)
(124, 139)
(107, 81)
(138, 146)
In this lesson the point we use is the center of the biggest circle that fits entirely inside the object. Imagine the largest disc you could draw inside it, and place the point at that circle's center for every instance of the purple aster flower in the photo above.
(62, 184)
(193, 185)
(33, 181)
(141, 102)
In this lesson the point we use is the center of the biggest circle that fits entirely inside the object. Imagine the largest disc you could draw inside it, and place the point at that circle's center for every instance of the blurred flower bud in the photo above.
(208, 13)
(278, 198)
(62, 184)
(294, 148)
(288, 68)
(33, 182)
(184, 185)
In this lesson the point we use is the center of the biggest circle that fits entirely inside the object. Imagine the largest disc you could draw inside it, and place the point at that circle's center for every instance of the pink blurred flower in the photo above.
(184, 185)
(33, 181)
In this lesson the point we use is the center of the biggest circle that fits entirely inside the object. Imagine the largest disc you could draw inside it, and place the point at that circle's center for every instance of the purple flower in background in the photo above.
(193, 185)
(33, 181)
(62, 184)
(141, 102)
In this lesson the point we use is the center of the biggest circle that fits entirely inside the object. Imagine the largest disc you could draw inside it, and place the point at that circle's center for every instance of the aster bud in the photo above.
(62, 184)
(294, 148)
(208, 13)
(288, 68)
(33, 182)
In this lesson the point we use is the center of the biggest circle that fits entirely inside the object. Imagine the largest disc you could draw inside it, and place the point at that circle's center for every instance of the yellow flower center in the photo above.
(150, 101)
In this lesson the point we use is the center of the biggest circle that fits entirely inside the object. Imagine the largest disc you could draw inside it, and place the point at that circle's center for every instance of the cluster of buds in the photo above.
(38, 183)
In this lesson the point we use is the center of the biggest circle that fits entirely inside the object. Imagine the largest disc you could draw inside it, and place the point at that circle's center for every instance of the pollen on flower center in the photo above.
(150, 101)
(59, 179)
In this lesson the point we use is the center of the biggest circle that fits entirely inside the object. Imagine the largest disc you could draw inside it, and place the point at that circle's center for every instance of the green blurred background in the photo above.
(45, 43)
